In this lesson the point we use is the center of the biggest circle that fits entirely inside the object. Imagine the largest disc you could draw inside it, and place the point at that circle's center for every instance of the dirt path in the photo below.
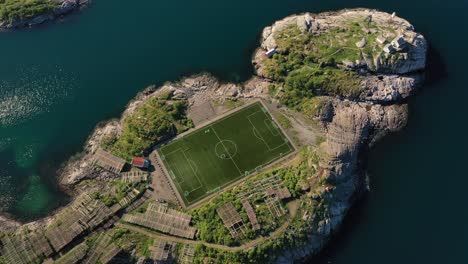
(292, 213)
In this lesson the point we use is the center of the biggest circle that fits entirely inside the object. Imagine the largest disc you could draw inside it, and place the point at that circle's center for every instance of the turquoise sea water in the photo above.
(58, 81)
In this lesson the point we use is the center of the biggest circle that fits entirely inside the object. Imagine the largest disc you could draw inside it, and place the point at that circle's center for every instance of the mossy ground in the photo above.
(308, 64)
(13, 10)
(157, 119)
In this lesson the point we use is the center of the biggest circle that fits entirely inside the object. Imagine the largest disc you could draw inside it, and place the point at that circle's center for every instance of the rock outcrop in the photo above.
(410, 58)
(389, 88)
(197, 90)
(350, 123)
(62, 7)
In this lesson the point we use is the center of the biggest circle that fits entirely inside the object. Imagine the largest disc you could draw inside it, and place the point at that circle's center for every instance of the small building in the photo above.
(270, 53)
(381, 40)
(141, 163)
(389, 49)
(399, 43)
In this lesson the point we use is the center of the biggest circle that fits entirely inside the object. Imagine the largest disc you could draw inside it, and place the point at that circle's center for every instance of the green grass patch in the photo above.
(156, 120)
(14, 10)
(224, 151)
(283, 120)
(307, 64)
(308, 82)
(319, 139)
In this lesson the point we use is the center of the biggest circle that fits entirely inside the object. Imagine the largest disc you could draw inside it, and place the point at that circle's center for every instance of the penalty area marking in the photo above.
(181, 180)
(260, 136)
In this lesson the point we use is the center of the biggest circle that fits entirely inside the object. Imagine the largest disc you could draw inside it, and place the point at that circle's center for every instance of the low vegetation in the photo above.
(118, 190)
(158, 119)
(210, 226)
(16, 10)
(283, 120)
(297, 235)
(130, 241)
(308, 65)
(200, 176)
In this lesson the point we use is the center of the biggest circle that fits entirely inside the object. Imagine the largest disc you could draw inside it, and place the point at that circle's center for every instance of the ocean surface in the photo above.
(59, 80)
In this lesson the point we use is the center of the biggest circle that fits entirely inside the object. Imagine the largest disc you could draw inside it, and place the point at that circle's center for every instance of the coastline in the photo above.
(347, 113)
(62, 9)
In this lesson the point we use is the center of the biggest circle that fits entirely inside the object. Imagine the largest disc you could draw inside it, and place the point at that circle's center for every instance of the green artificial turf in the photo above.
(238, 145)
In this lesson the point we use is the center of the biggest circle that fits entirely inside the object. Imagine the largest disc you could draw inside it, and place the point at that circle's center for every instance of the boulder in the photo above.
(360, 44)
(66, 6)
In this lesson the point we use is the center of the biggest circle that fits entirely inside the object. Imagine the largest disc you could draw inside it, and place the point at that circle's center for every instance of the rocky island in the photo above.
(28, 13)
(329, 84)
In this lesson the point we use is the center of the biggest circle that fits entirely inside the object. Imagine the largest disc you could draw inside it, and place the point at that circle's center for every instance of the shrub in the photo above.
(14, 10)
(156, 120)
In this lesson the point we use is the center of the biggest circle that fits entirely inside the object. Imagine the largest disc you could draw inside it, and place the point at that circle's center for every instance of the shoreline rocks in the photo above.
(63, 7)
(350, 124)
(355, 123)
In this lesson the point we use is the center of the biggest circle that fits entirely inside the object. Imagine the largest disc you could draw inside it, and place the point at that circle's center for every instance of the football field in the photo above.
(213, 156)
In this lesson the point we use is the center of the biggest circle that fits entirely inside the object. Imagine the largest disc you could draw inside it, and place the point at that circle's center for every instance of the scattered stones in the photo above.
(381, 40)
(360, 44)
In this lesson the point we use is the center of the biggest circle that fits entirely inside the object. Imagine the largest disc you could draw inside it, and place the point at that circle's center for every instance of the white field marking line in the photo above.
(179, 180)
(268, 146)
(172, 152)
(227, 140)
(169, 169)
(174, 180)
(182, 191)
(257, 134)
(171, 166)
(225, 149)
(263, 165)
(278, 132)
(180, 188)
(274, 133)
(277, 158)
(193, 170)
(216, 121)
(273, 123)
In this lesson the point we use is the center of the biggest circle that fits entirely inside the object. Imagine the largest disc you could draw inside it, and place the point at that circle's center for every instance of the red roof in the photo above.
(140, 162)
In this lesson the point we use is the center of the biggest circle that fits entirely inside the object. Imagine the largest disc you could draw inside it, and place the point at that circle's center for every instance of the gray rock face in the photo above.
(389, 88)
(346, 132)
(66, 6)
(411, 46)
(350, 123)
(414, 59)
(39, 20)
(353, 123)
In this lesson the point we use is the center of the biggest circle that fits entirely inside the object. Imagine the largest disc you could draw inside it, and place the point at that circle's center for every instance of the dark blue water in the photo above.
(58, 81)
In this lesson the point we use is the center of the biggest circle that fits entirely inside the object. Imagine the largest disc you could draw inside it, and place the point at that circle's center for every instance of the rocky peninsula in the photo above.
(336, 82)
(20, 13)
